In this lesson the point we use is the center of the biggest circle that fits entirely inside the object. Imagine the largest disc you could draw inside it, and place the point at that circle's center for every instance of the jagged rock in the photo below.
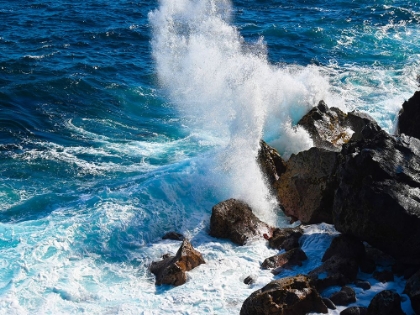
(233, 219)
(354, 310)
(171, 270)
(329, 303)
(293, 257)
(412, 289)
(409, 117)
(383, 276)
(334, 271)
(378, 195)
(345, 246)
(306, 189)
(249, 280)
(286, 296)
(344, 297)
(173, 236)
(287, 238)
(271, 163)
(363, 284)
(385, 303)
(330, 128)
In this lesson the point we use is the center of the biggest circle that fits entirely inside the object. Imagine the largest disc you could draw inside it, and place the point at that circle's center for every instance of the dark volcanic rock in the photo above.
(171, 270)
(367, 265)
(271, 163)
(345, 246)
(286, 296)
(344, 297)
(293, 257)
(249, 280)
(286, 239)
(363, 284)
(330, 128)
(233, 219)
(334, 271)
(412, 289)
(306, 189)
(383, 276)
(329, 303)
(385, 303)
(409, 117)
(355, 310)
(173, 236)
(378, 195)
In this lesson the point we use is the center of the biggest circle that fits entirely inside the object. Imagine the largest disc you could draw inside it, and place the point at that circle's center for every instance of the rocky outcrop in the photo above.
(271, 163)
(171, 270)
(233, 219)
(330, 128)
(378, 194)
(287, 296)
(345, 246)
(287, 260)
(409, 117)
(385, 303)
(412, 289)
(287, 238)
(334, 271)
(306, 189)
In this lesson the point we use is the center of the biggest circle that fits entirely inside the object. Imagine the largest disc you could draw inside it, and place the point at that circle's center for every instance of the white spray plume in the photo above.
(225, 87)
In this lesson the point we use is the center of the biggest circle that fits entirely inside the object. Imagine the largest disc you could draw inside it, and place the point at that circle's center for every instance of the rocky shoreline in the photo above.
(357, 177)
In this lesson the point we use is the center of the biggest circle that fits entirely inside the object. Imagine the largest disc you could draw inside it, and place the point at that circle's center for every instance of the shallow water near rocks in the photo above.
(123, 120)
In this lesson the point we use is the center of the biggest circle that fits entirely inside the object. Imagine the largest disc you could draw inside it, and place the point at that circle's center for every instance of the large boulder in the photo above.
(306, 189)
(412, 289)
(286, 238)
(378, 195)
(330, 128)
(286, 296)
(344, 297)
(385, 303)
(271, 163)
(233, 219)
(171, 270)
(409, 117)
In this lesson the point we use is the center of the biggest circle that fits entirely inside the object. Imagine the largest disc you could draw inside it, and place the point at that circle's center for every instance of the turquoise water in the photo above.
(123, 120)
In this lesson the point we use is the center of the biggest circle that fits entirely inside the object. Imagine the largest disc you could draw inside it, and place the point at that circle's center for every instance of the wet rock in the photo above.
(365, 285)
(354, 310)
(344, 297)
(385, 303)
(409, 117)
(345, 246)
(378, 195)
(287, 296)
(412, 289)
(173, 236)
(287, 238)
(383, 276)
(233, 219)
(334, 271)
(171, 270)
(249, 280)
(329, 303)
(271, 163)
(306, 189)
(287, 260)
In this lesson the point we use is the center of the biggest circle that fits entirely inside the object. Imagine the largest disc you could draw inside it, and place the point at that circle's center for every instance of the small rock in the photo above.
(385, 303)
(287, 238)
(344, 297)
(171, 270)
(290, 295)
(383, 276)
(173, 236)
(249, 280)
(293, 257)
(355, 310)
(365, 285)
(329, 303)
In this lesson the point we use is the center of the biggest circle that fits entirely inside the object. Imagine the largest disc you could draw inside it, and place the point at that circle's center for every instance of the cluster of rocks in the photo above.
(360, 179)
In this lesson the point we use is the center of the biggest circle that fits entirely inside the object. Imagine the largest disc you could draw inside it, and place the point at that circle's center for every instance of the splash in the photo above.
(225, 87)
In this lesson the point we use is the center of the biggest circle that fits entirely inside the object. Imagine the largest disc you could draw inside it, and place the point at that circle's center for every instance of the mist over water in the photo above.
(225, 88)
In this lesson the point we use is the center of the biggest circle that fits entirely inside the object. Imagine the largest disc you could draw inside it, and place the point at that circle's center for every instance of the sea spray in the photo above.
(225, 87)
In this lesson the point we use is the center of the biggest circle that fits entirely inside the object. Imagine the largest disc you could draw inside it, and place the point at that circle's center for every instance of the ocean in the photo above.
(123, 120)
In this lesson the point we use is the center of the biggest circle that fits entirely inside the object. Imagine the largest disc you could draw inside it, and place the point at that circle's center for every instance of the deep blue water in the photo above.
(118, 125)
